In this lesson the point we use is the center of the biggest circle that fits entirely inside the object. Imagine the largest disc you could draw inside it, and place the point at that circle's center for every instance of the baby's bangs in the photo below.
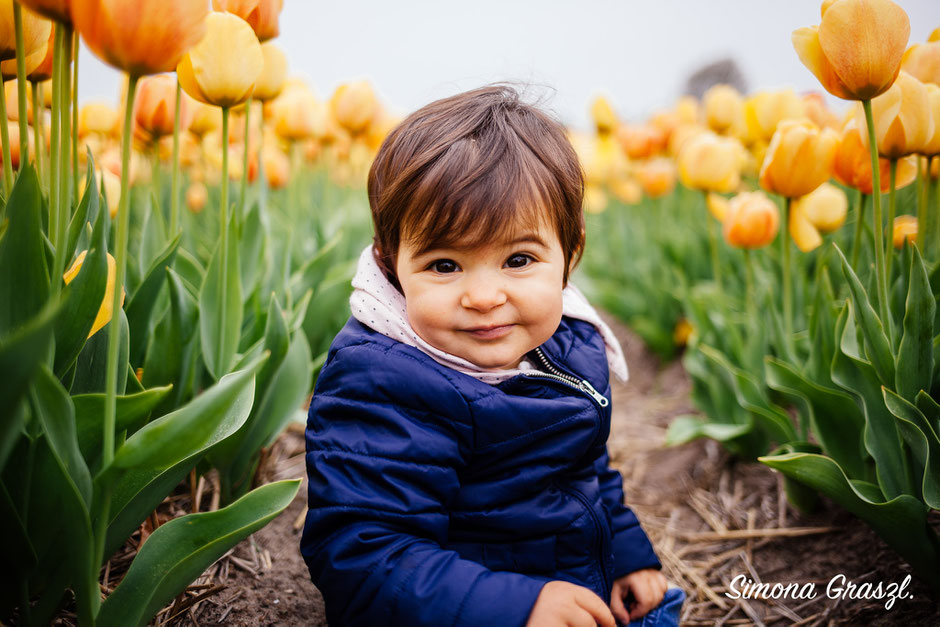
(478, 193)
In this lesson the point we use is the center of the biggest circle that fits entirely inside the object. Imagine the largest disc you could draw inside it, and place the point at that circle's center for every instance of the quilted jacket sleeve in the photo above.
(386, 438)
(631, 547)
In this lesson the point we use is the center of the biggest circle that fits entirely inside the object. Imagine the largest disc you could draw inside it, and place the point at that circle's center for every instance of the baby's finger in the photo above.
(594, 605)
(617, 606)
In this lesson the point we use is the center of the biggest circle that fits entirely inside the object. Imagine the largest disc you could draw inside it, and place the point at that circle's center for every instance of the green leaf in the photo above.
(834, 417)
(921, 437)
(171, 438)
(86, 211)
(132, 411)
(91, 365)
(83, 299)
(901, 521)
(821, 322)
(877, 346)
(179, 551)
(685, 428)
(24, 274)
(190, 270)
(929, 408)
(253, 239)
(220, 340)
(312, 273)
(153, 237)
(140, 304)
(881, 438)
(915, 354)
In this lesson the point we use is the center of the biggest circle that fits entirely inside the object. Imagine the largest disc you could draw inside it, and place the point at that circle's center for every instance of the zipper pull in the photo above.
(597, 396)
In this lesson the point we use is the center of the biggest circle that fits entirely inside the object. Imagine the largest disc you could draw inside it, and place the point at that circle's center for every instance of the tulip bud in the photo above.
(931, 147)
(765, 110)
(276, 168)
(43, 70)
(717, 205)
(799, 158)
(905, 229)
(682, 332)
(605, 120)
(752, 221)
(640, 141)
(657, 176)
(35, 31)
(627, 191)
(274, 74)
(222, 68)
(825, 207)
(196, 196)
(852, 163)
(710, 162)
(903, 123)
(354, 105)
(109, 185)
(142, 37)
(922, 61)
(205, 118)
(12, 102)
(33, 61)
(724, 110)
(856, 50)
(261, 15)
(105, 311)
(595, 200)
(298, 115)
(98, 117)
(155, 106)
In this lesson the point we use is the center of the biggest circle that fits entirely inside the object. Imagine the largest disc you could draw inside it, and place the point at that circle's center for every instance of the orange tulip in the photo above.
(852, 164)
(903, 124)
(14, 130)
(595, 200)
(98, 117)
(904, 229)
(261, 15)
(12, 104)
(197, 196)
(640, 141)
(274, 74)
(43, 71)
(752, 220)
(142, 37)
(814, 106)
(856, 50)
(58, 10)
(223, 67)
(932, 145)
(657, 176)
(724, 110)
(105, 311)
(354, 105)
(276, 168)
(155, 106)
(799, 158)
(35, 31)
(710, 162)
(922, 61)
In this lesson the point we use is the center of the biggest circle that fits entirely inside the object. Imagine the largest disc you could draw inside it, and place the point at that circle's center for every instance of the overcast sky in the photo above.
(637, 53)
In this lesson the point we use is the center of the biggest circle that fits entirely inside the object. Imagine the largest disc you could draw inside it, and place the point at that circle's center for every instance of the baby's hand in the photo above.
(563, 604)
(648, 586)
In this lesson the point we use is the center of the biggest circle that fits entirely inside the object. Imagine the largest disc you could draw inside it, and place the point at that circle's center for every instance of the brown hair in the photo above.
(465, 167)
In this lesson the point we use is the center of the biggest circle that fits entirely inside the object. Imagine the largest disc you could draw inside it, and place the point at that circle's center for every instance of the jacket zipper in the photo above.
(558, 375)
(600, 536)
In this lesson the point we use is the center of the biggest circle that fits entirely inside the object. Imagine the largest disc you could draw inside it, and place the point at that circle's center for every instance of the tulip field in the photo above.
(175, 264)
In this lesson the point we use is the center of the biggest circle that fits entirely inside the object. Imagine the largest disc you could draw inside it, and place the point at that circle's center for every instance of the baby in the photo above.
(456, 441)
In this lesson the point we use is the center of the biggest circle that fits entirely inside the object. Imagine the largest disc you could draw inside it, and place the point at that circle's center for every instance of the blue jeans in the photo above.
(666, 614)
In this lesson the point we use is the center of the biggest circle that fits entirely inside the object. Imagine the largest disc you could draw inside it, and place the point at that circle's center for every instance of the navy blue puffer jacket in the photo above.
(437, 499)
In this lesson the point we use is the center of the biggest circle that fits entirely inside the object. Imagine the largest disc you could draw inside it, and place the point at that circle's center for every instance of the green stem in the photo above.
(787, 282)
(5, 137)
(859, 220)
(892, 210)
(223, 240)
(57, 188)
(74, 101)
(244, 189)
(155, 179)
(923, 186)
(20, 84)
(878, 223)
(175, 165)
(37, 128)
(932, 229)
(54, 143)
(65, 205)
(713, 247)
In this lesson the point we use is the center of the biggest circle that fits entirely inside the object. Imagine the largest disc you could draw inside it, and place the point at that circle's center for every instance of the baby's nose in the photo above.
(483, 293)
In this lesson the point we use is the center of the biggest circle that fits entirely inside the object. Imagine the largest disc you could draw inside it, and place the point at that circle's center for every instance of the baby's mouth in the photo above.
(489, 332)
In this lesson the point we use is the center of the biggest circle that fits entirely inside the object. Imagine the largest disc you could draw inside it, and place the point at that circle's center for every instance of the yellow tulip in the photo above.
(595, 200)
(105, 311)
(682, 332)
(856, 50)
(354, 105)
(273, 75)
(764, 111)
(58, 10)
(814, 106)
(710, 162)
(922, 61)
(12, 104)
(298, 115)
(627, 191)
(687, 109)
(932, 145)
(33, 61)
(657, 176)
(724, 110)
(717, 205)
(261, 15)
(605, 120)
(222, 68)
(852, 164)
(43, 70)
(106, 181)
(35, 31)
(141, 37)
(799, 158)
(806, 236)
(825, 207)
(752, 221)
(905, 228)
(97, 117)
(934, 35)
(276, 167)
(205, 119)
(903, 123)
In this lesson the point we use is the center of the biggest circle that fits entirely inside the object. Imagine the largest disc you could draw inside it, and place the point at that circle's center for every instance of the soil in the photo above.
(694, 500)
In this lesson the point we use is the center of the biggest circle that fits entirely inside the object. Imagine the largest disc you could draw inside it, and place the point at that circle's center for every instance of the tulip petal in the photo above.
(227, 61)
(803, 232)
(187, 79)
(806, 43)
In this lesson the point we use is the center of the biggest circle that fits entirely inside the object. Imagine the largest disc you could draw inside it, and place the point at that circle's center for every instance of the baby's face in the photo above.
(488, 304)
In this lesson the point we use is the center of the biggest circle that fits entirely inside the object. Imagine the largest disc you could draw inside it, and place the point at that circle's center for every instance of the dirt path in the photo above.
(694, 501)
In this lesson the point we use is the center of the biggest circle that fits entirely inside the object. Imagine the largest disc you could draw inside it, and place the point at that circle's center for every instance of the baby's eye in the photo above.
(519, 261)
(443, 266)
